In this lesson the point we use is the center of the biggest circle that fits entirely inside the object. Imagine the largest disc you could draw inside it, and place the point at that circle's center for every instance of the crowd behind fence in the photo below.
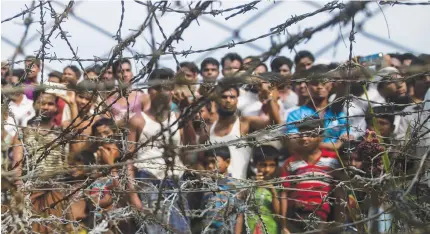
(297, 147)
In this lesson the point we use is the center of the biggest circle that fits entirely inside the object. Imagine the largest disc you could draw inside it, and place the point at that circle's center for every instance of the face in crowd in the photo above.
(83, 101)
(189, 75)
(304, 64)
(267, 168)
(108, 74)
(319, 90)
(231, 67)
(222, 164)
(46, 104)
(125, 74)
(210, 72)
(227, 102)
(34, 70)
(395, 88)
(69, 76)
(284, 70)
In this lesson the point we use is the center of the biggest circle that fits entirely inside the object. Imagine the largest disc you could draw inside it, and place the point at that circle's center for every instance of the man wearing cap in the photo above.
(391, 89)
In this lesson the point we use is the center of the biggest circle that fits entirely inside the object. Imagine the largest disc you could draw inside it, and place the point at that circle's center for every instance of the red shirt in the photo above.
(310, 194)
(60, 107)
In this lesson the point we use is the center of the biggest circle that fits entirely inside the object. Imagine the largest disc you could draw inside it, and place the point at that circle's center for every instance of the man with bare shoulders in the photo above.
(158, 130)
(230, 126)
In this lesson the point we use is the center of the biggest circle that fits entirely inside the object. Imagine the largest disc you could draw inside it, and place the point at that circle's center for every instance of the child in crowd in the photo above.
(265, 204)
(309, 181)
(219, 206)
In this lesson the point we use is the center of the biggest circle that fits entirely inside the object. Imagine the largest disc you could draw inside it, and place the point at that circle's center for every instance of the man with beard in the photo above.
(41, 131)
(230, 126)
(158, 130)
(391, 89)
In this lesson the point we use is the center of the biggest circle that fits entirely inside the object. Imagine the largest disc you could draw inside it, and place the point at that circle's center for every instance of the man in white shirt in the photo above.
(20, 107)
(390, 91)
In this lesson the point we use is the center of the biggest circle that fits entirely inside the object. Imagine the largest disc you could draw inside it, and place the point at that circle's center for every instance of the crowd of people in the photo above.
(232, 146)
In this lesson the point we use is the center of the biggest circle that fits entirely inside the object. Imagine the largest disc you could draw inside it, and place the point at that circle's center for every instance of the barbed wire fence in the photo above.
(410, 213)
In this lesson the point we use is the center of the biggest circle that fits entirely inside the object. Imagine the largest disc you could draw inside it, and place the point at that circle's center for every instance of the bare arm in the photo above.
(239, 224)
(284, 208)
(271, 102)
(275, 201)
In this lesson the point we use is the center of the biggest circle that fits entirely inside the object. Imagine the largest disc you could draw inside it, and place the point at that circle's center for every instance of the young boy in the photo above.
(310, 169)
(219, 205)
(264, 204)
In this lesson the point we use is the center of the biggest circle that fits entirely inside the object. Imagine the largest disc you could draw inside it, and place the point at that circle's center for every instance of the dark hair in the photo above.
(303, 54)
(38, 92)
(383, 112)
(57, 74)
(332, 66)
(223, 88)
(103, 121)
(116, 65)
(207, 61)
(232, 57)
(315, 72)
(190, 65)
(264, 65)
(85, 157)
(223, 152)
(96, 69)
(161, 74)
(407, 56)
(18, 72)
(265, 152)
(33, 60)
(75, 69)
(278, 62)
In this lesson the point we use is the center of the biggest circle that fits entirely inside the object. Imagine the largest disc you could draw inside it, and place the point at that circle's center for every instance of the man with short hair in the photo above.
(209, 69)
(231, 63)
(283, 66)
(303, 60)
(159, 125)
(108, 73)
(39, 161)
(20, 107)
(230, 126)
(318, 106)
(187, 72)
(391, 88)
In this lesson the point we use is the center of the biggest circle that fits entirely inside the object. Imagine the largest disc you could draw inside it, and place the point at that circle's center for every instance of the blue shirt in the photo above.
(334, 124)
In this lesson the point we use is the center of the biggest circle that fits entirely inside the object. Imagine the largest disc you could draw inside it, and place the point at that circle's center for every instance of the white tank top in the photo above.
(153, 151)
(239, 157)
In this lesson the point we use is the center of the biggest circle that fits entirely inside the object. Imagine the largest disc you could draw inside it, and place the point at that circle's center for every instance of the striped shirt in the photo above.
(314, 183)
(35, 143)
